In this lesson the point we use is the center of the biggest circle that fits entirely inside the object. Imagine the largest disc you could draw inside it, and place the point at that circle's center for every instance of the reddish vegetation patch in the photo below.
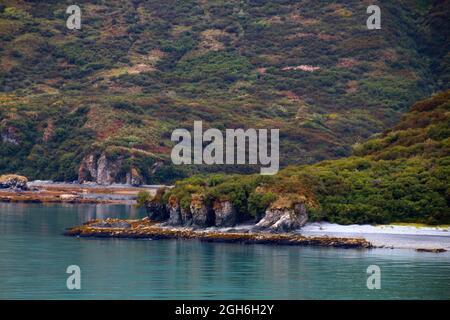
(103, 126)
(48, 132)
(292, 96)
(347, 63)
(327, 37)
(261, 70)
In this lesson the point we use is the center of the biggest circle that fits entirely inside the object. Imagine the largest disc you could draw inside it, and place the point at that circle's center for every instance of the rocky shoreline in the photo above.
(14, 188)
(147, 229)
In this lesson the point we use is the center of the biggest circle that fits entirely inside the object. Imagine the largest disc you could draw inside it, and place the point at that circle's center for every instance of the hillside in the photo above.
(100, 103)
(403, 175)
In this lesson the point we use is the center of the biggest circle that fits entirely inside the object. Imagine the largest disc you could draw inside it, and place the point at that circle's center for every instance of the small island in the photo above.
(146, 229)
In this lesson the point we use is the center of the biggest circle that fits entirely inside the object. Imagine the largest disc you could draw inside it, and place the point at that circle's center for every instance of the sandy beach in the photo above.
(391, 236)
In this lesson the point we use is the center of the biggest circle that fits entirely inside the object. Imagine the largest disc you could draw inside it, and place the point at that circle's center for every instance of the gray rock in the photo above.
(284, 219)
(14, 182)
(157, 211)
(104, 170)
(186, 217)
(174, 215)
(202, 215)
(225, 214)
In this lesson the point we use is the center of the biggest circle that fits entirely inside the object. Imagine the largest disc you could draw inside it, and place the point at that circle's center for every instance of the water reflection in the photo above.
(34, 257)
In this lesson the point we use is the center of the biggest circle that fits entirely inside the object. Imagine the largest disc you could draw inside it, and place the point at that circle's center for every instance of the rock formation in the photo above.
(157, 211)
(202, 215)
(105, 170)
(225, 214)
(286, 214)
(283, 219)
(174, 209)
(13, 181)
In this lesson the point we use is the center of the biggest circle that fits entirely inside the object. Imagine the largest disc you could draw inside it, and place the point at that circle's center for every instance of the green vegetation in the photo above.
(139, 69)
(401, 175)
(143, 198)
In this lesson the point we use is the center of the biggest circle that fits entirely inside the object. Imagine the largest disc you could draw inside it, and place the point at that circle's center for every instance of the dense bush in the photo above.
(395, 181)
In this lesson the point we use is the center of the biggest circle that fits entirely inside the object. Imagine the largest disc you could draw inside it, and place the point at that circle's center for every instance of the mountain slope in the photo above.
(137, 70)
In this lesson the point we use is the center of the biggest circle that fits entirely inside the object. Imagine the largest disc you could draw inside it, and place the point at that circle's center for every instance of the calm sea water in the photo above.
(34, 257)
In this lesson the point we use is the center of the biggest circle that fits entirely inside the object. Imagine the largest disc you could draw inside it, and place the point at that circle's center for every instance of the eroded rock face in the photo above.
(13, 181)
(157, 211)
(134, 178)
(186, 217)
(105, 171)
(202, 215)
(284, 219)
(225, 214)
(174, 214)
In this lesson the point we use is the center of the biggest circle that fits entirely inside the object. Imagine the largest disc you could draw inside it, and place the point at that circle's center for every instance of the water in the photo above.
(34, 257)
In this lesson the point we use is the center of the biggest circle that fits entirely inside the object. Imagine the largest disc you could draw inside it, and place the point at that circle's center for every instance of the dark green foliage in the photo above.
(400, 176)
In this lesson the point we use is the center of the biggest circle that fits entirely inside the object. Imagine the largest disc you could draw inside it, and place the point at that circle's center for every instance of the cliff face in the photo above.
(104, 170)
(222, 213)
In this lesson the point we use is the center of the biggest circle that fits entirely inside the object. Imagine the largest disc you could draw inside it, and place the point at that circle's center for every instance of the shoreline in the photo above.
(393, 236)
(62, 192)
(146, 229)
(350, 236)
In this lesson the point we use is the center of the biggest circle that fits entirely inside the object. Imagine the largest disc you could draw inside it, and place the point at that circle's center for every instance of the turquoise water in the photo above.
(34, 257)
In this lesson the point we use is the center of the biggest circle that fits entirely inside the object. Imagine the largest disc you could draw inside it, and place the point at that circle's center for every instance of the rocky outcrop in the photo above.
(281, 219)
(174, 209)
(202, 215)
(134, 178)
(10, 135)
(199, 214)
(145, 229)
(105, 170)
(225, 214)
(13, 181)
(186, 217)
(157, 211)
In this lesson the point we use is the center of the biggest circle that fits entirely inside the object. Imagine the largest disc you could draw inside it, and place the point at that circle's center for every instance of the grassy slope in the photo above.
(401, 175)
(139, 69)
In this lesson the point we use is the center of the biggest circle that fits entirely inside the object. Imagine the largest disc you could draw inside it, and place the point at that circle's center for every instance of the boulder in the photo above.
(13, 181)
(202, 215)
(225, 214)
(284, 219)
